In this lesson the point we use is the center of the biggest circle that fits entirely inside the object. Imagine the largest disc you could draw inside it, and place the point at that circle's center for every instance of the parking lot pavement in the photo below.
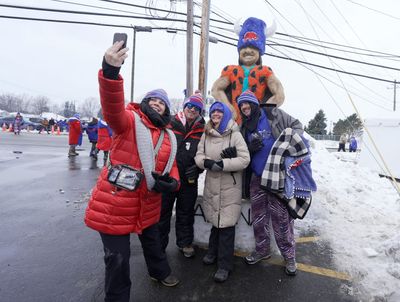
(47, 254)
(316, 279)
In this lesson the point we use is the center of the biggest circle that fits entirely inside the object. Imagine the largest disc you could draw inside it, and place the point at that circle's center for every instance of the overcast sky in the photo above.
(61, 61)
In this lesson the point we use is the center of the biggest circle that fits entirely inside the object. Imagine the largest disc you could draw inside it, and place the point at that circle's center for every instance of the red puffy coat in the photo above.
(103, 138)
(75, 131)
(119, 212)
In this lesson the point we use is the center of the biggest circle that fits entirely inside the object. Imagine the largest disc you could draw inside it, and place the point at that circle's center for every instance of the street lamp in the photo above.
(136, 29)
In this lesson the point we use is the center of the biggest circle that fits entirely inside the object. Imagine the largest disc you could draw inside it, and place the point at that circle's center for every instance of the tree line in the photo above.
(351, 125)
(39, 104)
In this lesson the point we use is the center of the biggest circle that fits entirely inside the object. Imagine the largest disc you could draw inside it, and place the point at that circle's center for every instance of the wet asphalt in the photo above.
(47, 253)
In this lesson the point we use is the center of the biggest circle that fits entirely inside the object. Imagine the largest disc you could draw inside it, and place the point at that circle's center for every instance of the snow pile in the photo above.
(358, 213)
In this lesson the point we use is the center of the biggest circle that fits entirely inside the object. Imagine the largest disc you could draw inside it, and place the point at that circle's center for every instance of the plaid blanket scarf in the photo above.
(289, 143)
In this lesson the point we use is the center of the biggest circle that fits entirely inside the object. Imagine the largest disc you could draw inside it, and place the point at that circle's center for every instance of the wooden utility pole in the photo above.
(189, 49)
(203, 61)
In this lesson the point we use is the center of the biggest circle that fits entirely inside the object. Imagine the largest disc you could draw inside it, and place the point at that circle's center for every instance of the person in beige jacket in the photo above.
(223, 152)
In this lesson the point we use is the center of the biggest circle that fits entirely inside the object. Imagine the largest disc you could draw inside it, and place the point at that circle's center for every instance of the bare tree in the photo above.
(40, 104)
(90, 107)
(12, 103)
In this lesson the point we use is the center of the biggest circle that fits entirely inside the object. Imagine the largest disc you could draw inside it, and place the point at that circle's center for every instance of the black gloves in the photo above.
(229, 152)
(255, 145)
(164, 183)
(213, 165)
(192, 173)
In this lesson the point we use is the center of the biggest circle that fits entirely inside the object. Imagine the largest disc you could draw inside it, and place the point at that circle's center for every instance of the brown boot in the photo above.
(72, 151)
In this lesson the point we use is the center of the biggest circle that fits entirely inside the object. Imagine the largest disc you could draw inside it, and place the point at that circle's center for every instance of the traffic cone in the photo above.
(4, 127)
(52, 129)
(10, 129)
(58, 131)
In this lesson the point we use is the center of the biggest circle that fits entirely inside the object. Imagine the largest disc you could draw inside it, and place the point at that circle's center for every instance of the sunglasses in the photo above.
(191, 106)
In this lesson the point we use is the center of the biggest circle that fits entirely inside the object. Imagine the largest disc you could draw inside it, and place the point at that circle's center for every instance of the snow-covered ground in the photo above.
(358, 213)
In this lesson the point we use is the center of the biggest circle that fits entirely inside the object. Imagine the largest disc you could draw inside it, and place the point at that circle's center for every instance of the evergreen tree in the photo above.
(351, 126)
(69, 109)
(318, 124)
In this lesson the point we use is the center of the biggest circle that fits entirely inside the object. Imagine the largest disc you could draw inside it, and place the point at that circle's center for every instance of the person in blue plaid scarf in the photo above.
(261, 128)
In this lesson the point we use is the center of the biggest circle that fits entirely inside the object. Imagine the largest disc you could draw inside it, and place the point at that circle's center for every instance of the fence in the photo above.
(325, 137)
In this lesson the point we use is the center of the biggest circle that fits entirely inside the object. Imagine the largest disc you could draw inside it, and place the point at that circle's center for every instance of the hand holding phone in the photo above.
(120, 37)
(115, 56)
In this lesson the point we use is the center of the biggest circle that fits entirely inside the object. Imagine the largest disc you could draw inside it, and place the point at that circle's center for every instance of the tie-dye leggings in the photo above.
(265, 206)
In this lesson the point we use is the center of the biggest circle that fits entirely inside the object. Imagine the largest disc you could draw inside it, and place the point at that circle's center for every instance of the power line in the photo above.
(166, 19)
(88, 13)
(100, 7)
(374, 10)
(336, 57)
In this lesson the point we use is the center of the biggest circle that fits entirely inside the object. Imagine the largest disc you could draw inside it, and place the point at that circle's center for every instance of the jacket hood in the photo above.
(231, 127)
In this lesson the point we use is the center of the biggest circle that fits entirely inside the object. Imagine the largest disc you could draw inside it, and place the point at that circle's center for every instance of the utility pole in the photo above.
(136, 29)
(203, 61)
(395, 83)
(189, 49)
(394, 95)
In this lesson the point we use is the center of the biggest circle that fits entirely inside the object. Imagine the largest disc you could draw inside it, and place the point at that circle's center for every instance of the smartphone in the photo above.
(120, 37)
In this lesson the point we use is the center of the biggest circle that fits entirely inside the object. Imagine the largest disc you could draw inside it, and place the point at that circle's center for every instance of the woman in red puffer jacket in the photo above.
(115, 212)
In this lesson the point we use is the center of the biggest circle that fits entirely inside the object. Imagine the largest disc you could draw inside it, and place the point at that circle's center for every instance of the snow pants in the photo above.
(266, 207)
(222, 245)
(185, 200)
(117, 285)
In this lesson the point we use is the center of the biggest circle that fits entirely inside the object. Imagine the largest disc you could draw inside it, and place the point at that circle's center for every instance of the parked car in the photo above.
(26, 124)
(37, 122)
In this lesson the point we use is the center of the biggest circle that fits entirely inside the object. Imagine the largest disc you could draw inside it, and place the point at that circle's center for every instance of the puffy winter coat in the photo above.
(75, 131)
(104, 136)
(110, 210)
(91, 131)
(187, 140)
(222, 195)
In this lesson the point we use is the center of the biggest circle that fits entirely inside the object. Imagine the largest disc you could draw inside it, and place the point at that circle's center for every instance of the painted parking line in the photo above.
(306, 239)
(305, 267)
(312, 269)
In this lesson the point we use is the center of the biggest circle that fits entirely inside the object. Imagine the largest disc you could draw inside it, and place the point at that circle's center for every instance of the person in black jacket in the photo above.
(188, 127)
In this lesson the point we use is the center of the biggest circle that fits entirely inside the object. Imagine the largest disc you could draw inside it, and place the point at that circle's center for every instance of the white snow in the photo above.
(354, 210)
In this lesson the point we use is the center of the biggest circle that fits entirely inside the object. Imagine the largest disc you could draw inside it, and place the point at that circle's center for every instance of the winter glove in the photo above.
(192, 172)
(164, 183)
(255, 145)
(229, 152)
(213, 165)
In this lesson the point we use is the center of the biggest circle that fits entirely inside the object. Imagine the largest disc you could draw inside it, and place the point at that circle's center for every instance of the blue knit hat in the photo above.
(77, 115)
(159, 94)
(247, 96)
(196, 100)
(226, 117)
(252, 34)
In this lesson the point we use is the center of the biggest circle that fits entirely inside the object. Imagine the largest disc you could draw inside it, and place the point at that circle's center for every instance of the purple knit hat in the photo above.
(247, 96)
(196, 100)
(159, 94)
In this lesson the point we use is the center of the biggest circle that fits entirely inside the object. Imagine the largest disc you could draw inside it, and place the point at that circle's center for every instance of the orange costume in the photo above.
(257, 83)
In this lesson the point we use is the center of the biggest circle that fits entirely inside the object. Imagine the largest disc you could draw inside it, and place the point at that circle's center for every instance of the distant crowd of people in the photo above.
(98, 132)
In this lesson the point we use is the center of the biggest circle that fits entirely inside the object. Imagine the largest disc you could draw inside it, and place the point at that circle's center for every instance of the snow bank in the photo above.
(358, 213)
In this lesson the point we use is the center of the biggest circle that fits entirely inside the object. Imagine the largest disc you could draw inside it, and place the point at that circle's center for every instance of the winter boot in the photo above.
(72, 151)
(291, 267)
(188, 251)
(255, 257)
(221, 275)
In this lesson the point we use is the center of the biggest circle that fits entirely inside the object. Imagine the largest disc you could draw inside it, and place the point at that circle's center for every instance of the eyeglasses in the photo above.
(191, 106)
